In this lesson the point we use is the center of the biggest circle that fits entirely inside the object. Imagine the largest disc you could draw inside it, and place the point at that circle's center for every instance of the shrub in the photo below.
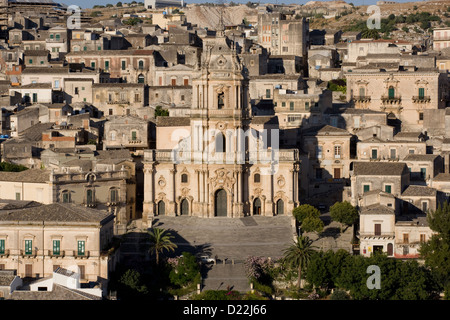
(185, 271)
(339, 295)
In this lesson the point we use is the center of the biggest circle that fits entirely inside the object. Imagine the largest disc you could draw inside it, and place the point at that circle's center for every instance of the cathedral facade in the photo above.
(219, 161)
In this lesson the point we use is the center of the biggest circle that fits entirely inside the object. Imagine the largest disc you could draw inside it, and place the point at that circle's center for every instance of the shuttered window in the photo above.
(28, 246)
(81, 248)
(56, 247)
(378, 229)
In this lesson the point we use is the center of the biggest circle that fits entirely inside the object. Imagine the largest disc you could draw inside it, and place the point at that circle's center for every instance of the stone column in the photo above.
(173, 190)
(148, 210)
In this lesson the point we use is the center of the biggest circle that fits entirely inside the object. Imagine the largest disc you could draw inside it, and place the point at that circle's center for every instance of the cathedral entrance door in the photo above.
(257, 207)
(184, 208)
(220, 209)
(280, 207)
(161, 208)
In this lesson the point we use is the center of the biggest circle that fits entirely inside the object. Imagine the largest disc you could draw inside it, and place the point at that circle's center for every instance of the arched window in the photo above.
(391, 92)
(113, 195)
(141, 78)
(65, 196)
(257, 178)
(89, 197)
(220, 142)
(220, 101)
(184, 178)
(141, 65)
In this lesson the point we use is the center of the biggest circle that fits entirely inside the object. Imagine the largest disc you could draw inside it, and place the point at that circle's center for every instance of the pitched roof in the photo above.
(30, 175)
(34, 133)
(7, 204)
(325, 130)
(442, 177)
(420, 157)
(265, 120)
(379, 168)
(377, 209)
(56, 212)
(173, 121)
(419, 191)
(58, 293)
(114, 154)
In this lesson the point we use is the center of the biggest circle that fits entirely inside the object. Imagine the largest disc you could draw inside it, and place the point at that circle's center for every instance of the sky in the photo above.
(91, 3)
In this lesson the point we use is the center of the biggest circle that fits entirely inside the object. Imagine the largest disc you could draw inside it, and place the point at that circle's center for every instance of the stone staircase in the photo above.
(224, 277)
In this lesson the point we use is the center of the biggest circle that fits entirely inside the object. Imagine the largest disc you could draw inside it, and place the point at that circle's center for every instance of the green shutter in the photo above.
(123, 65)
(267, 93)
(391, 92)
(81, 248)
(421, 93)
(106, 65)
(374, 154)
(366, 187)
(387, 189)
(423, 172)
(56, 247)
(93, 65)
(2, 246)
(28, 246)
(291, 105)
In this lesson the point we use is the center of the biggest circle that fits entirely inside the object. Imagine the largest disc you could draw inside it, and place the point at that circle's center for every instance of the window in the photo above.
(141, 79)
(113, 195)
(17, 195)
(141, 65)
(362, 92)
(421, 93)
(56, 84)
(184, 178)
(387, 188)
(267, 93)
(411, 151)
(186, 82)
(174, 82)
(319, 152)
(220, 101)
(133, 136)
(337, 152)
(306, 106)
(65, 197)
(220, 142)
(89, 197)
(35, 99)
(124, 64)
(406, 238)
(81, 248)
(51, 36)
(57, 36)
(76, 90)
(423, 173)
(28, 246)
(110, 112)
(106, 65)
(366, 188)
(2, 246)
(99, 48)
(182, 97)
(393, 153)
(391, 92)
(377, 229)
(257, 178)
(420, 116)
(92, 64)
(84, 48)
(30, 61)
(56, 247)
(423, 238)
(374, 153)
(283, 104)
(291, 105)
(425, 206)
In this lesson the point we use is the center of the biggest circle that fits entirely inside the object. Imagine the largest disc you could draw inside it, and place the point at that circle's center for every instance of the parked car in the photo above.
(206, 259)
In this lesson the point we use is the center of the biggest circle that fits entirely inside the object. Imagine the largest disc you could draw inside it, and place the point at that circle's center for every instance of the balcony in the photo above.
(118, 102)
(391, 100)
(28, 254)
(4, 254)
(52, 254)
(91, 205)
(77, 255)
(361, 98)
(112, 203)
(421, 99)
(134, 141)
(377, 236)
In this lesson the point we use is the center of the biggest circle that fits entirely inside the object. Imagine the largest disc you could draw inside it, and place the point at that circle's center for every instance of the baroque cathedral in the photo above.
(219, 161)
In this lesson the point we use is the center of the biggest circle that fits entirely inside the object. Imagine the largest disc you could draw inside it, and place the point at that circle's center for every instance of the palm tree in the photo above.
(160, 241)
(299, 254)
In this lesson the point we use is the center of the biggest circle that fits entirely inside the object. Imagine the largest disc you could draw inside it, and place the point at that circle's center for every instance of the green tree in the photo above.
(11, 167)
(405, 29)
(109, 5)
(370, 34)
(344, 213)
(339, 295)
(312, 224)
(160, 241)
(305, 210)
(298, 255)
(186, 271)
(160, 112)
(131, 284)
(119, 4)
(436, 251)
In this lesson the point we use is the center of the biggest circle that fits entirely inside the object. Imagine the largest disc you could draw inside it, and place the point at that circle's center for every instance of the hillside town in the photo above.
(235, 139)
